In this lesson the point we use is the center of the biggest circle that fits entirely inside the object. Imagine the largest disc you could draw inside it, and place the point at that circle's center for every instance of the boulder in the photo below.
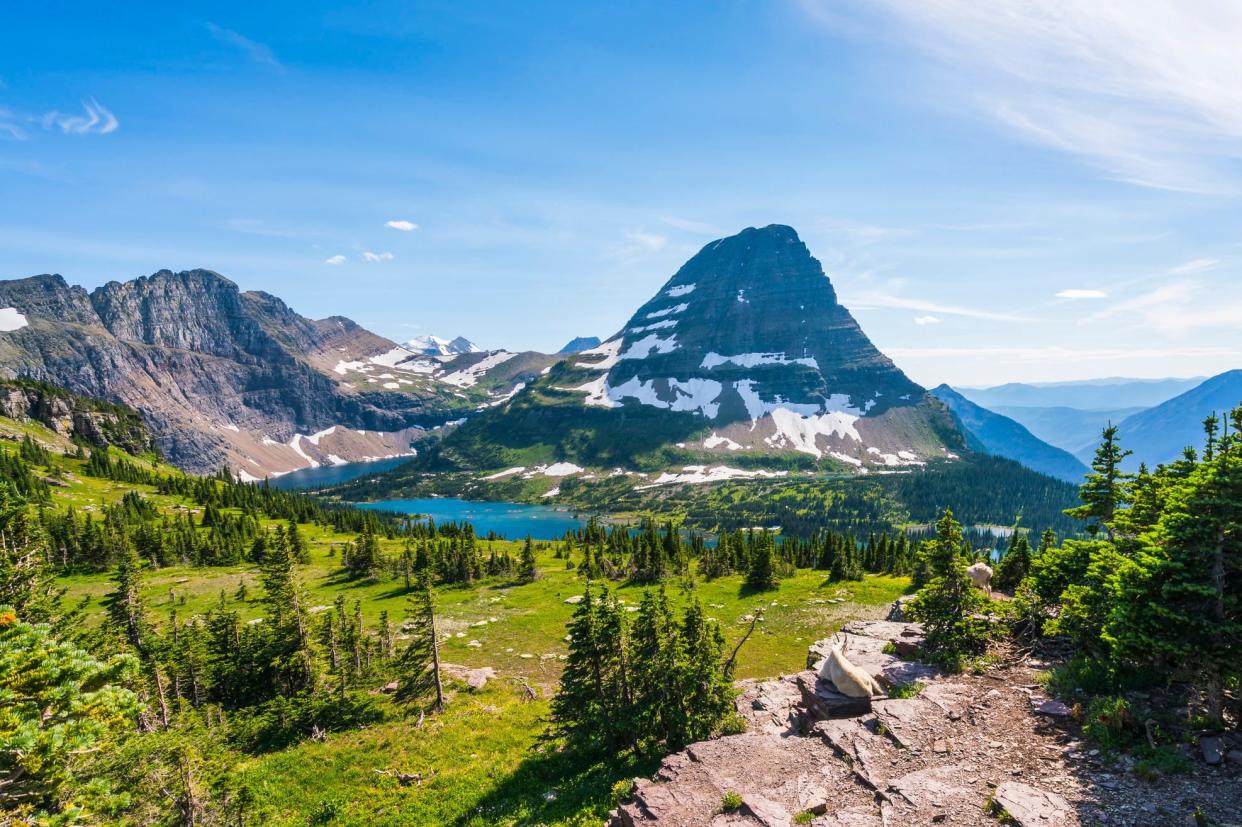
(1210, 747)
(1029, 806)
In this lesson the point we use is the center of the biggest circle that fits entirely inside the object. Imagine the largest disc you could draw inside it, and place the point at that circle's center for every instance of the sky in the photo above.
(1019, 190)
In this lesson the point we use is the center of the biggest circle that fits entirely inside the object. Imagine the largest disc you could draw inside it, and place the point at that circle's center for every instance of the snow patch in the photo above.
(608, 350)
(551, 492)
(679, 290)
(667, 323)
(11, 320)
(597, 392)
(801, 431)
(750, 360)
(694, 474)
(645, 346)
(690, 395)
(715, 441)
(392, 386)
(561, 469)
(468, 377)
(508, 472)
(677, 308)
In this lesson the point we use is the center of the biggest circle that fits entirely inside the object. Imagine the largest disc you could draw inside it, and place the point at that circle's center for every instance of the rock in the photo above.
(822, 701)
(575, 600)
(1049, 707)
(1234, 756)
(1031, 807)
(941, 747)
(766, 812)
(390, 687)
(899, 611)
(1210, 747)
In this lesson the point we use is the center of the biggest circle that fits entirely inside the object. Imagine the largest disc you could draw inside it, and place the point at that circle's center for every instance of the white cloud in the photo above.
(646, 241)
(1074, 293)
(1198, 265)
(9, 128)
(1176, 309)
(258, 52)
(866, 301)
(336, 259)
(922, 321)
(402, 225)
(370, 256)
(689, 226)
(96, 120)
(1147, 91)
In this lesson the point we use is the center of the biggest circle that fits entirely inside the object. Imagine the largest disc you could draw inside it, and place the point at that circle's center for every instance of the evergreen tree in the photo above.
(1106, 488)
(418, 666)
(27, 582)
(761, 573)
(1015, 565)
(947, 604)
(126, 607)
(59, 705)
(527, 572)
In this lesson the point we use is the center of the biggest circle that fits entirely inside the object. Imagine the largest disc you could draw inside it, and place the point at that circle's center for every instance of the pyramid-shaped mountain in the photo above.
(744, 353)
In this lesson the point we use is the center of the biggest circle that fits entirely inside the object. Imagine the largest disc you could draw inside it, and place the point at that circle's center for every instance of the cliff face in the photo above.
(76, 417)
(213, 370)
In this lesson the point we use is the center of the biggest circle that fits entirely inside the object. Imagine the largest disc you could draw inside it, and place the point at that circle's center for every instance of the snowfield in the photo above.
(750, 360)
(468, 377)
(11, 320)
(695, 474)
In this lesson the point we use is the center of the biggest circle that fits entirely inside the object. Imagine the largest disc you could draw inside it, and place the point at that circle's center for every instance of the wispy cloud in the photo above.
(9, 126)
(260, 53)
(1147, 91)
(923, 321)
(867, 301)
(370, 256)
(402, 225)
(334, 260)
(1076, 293)
(1175, 309)
(94, 120)
(859, 232)
(690, 226)
(1198, 265)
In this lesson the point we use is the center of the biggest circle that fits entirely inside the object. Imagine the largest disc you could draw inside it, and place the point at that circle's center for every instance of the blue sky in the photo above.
(1017, 190)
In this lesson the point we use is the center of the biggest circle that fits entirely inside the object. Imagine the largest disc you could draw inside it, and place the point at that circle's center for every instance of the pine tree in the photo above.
(1106, 489)
(1015, 565)
(418, 666)
(705, 691)
(581, 703)
(761, 573)
(27, 582)
(527, 572)
(947, 604)
(126, 607)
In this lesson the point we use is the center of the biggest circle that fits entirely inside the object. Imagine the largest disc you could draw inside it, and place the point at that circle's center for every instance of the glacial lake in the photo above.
(325, 475)
(512, 521)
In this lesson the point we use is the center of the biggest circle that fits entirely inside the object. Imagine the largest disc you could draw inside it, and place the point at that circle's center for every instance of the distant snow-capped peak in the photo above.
(432, 345)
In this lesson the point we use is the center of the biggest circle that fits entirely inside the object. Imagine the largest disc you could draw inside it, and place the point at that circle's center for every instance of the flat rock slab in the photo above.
(771, 707)
(773, 775)
(935, 789)
(821, 701)
(1029, 806)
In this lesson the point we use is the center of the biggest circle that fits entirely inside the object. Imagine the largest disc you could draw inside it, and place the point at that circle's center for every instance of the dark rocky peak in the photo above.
(196, 310)
(579, 344)
(48, 296)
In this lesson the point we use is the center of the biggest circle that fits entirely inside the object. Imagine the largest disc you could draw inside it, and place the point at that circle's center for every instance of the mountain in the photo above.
(745, 354)
(432, 345)
(224, 376)
(1071, 429)
(1160, 434)
(579, 344)
(992, 433)
(1091, 394)
(76, 418)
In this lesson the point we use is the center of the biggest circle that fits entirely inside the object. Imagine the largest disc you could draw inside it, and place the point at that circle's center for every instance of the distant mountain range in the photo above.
(579, 344)
(223, 376)
(1092, 394)
(992, 433)
(1160, 434)
(431, 345)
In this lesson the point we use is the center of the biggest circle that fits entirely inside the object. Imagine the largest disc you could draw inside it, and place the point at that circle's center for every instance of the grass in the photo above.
(482, 761)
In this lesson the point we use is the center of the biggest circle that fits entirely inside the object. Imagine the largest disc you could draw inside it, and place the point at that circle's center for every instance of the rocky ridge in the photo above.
(223, 376)
(965, 750)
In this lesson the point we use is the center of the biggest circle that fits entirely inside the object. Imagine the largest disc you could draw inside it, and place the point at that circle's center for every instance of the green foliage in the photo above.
(57, 704)
(659, 683)
(1107, 722)
(1015, 565)
(527, 572)
(947, 604)
(1164, 760)
(1106, 488)
(418, 666)
(731, 802)
(906, 690)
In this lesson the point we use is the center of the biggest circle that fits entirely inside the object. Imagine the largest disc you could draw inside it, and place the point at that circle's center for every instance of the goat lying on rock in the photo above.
(849, 679)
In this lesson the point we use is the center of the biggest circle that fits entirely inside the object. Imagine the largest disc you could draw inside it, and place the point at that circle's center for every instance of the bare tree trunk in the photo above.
(159, 693)
(190, 807)
(435, 662)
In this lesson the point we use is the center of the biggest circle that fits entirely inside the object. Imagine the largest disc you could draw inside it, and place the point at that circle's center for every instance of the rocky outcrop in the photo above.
(926, 759)
(74, 417)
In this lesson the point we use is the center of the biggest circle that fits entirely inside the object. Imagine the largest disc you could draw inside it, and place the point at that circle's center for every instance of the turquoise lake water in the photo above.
(512, 521)
(309, 478)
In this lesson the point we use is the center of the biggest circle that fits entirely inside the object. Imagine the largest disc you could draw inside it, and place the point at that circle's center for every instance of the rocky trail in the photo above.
(965, 750)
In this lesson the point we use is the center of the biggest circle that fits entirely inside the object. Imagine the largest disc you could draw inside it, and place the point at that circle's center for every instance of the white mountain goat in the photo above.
(981, 575)
(850, 680)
